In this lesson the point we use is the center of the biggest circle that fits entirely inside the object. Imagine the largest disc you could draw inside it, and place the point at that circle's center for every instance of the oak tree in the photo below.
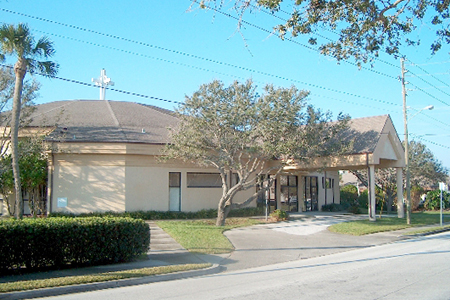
(237, 130)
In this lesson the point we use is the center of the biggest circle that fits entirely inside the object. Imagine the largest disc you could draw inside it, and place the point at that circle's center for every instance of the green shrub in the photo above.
(349, 194)
(354, 209)
(333, 207)
(56, 242)
(362, 199)
(246, 212)
(168, 215)
(433, 200)
(279, 215)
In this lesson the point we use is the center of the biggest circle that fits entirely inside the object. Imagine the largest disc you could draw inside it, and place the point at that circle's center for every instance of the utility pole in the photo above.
(405, 120)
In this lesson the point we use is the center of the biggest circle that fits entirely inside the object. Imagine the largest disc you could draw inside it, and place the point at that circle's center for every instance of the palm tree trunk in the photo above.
(20, 71)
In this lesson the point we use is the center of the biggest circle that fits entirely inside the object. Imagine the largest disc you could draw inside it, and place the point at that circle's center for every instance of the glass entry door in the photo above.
(289, 192)
(311, 193)
(269, 197)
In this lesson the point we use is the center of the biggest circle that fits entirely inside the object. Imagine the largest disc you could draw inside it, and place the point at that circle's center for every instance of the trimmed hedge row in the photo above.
(169, 215)
(56, 242)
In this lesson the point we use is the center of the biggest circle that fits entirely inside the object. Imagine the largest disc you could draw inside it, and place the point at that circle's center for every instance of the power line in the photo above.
(434, 63)
(431, 142)
(138, 54)
(208, 59)
(315, 32)
(385, 62)
(356, 103)
(94, 86)
(422, 69)
(194, 56)
(430, 95)
(431, 118)
(293, 41)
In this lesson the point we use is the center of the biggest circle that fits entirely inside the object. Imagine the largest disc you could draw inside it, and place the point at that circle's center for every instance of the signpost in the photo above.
(442, 187)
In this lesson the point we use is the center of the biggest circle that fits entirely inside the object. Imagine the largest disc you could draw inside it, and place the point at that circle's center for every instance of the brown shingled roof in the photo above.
(128, 122)
(366, 132)
(104, 121)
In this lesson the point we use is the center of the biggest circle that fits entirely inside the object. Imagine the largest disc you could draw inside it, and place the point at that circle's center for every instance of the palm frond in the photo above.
(47, 68)
(18, 41)
(44, 48)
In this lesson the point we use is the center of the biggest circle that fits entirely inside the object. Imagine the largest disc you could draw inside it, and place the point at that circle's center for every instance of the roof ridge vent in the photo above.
(113, 115)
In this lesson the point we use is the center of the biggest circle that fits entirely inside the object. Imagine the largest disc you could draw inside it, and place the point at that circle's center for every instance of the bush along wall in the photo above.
(58, 242)
(169, 215)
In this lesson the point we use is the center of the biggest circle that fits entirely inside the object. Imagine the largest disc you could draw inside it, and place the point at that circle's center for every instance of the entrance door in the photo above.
(288, 197)
(175, 191)
(269, 196)
(311, 195)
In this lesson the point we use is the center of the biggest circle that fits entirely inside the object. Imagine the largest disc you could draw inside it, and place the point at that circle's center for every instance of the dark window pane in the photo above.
(208, 180)
(174, 179)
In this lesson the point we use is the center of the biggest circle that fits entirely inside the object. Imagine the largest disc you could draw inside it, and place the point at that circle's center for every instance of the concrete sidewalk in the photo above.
(304, 236)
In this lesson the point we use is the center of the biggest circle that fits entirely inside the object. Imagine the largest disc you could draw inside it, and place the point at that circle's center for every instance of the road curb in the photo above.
(428, 233)
(48, 292)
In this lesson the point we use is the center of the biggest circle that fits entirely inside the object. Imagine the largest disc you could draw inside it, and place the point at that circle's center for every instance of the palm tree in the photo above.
(19, 42)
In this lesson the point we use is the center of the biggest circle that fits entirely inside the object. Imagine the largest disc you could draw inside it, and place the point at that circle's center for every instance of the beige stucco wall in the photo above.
(147, 186)
(108, 182)
(89, 188)
(89, 182)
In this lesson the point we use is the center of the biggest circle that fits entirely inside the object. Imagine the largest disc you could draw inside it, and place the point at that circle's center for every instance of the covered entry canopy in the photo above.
(375, 145)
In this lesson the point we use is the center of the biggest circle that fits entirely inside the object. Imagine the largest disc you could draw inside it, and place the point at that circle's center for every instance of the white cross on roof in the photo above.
(102, 82)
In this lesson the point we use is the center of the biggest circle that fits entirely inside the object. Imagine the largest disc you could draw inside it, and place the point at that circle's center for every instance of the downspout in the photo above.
(368, 182)
(50, 188)
(369, 194)
(325, 186)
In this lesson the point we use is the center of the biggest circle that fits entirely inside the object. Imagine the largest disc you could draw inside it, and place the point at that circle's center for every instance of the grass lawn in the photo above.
(362, 227)
(203, 236)
(22, 285)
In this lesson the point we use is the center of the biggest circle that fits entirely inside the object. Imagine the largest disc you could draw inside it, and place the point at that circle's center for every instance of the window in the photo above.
(234, 179)
(203, 180)
(174, 179)
(174, 191)
(327, 183)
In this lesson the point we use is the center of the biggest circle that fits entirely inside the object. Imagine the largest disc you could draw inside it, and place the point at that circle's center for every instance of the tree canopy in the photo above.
(29, 93)
(360, 29)
(33, 163)
(425, 169)
(31, 55)
(235, 129)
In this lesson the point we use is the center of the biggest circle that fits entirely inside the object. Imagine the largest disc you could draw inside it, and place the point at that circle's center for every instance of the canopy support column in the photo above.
(371, 194)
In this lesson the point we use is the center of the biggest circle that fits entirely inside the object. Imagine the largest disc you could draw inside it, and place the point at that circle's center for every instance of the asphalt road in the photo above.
(409, 269)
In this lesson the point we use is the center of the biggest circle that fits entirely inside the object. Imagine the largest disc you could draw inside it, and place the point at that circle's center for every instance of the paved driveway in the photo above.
(301, 238)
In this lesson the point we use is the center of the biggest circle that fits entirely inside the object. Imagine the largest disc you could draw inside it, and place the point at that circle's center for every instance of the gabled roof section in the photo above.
(375, 142)
(104, 121)
(366, 133)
